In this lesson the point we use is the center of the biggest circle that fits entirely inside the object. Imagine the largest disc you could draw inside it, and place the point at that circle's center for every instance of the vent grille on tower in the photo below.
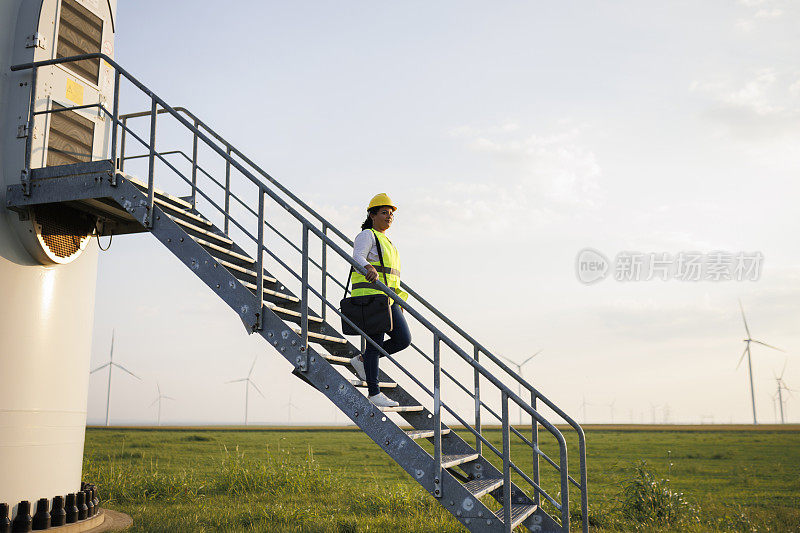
(79, 32)
(70, 138)
(62, 231)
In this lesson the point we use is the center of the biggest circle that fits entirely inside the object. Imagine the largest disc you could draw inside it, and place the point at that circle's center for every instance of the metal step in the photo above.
(381, 384)
(519, 512)
(143, 187)
(183, 212)
(449, 461)
(401, 409)
(252, 287)
(231, 253)
(335, 359)
(319, 338)
(192, 227)
(289, 312)
(483, 486)
(424, 433)
(232, 266)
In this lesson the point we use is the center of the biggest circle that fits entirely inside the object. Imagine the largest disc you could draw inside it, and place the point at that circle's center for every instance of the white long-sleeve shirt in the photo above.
(365, 248)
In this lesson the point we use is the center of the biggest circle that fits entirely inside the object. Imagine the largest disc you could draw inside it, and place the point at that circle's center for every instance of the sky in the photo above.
(512, 136)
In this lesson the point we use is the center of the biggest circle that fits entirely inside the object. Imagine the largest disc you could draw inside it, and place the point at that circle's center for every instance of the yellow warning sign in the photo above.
(74, 92)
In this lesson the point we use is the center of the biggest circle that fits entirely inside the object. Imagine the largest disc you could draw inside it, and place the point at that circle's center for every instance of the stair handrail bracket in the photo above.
(442, 479)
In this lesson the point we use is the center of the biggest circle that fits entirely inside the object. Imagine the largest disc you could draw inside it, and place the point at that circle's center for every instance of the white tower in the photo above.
(48, 261)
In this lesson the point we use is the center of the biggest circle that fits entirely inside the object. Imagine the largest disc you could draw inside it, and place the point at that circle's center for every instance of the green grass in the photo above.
(338, 480)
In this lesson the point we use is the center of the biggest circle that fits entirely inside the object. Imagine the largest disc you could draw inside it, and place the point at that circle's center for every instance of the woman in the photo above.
(365, 252)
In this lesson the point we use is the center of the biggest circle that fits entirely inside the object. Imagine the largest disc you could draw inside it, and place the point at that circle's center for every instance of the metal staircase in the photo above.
(232, 258)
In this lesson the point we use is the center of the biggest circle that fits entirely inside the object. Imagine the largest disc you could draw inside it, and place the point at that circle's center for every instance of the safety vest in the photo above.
(391, 267)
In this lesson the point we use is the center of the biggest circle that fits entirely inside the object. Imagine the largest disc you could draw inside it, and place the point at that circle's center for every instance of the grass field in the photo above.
(322, 479)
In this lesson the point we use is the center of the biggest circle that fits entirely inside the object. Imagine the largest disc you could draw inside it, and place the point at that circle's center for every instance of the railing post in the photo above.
(478, 441)
(227, 188)
(151, 164)
(194, 168)
(535, 441)
(564, 488)
(122, 144)
(584, 484)
(26, 173)
(437, 418)
(304, 303)
(114, 128)
(324, 273)
(506, 465)
(260, 261)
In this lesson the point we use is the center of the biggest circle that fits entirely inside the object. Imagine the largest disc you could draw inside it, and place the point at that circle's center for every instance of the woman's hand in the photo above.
(372, 274)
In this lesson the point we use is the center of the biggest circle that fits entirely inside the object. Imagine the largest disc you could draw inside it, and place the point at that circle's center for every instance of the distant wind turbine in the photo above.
(519, 371)
(110, 364)
(158, 400)
(248, 383)
(781, 387)
(583, 408)
(611, 409)
(746, 352)
(289, 406)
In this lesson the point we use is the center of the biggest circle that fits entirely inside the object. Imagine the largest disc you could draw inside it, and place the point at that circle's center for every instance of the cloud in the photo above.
(553, 167)
(758, 11)
(766, 105)
(539, 178)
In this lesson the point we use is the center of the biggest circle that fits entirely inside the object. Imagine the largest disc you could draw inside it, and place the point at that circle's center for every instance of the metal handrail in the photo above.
(429, 306)
(264, 190)
(476, 345)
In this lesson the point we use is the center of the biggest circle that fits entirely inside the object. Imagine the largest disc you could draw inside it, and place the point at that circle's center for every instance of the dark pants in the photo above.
(399, 338)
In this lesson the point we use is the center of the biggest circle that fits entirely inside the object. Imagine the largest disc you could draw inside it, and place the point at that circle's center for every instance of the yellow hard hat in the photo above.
(381, 199)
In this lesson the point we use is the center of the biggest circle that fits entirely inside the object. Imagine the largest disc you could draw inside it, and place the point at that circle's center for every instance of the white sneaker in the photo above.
(381, 400)
(358, 366)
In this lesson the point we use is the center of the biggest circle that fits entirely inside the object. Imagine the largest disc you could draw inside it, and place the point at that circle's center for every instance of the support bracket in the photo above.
(36, 40)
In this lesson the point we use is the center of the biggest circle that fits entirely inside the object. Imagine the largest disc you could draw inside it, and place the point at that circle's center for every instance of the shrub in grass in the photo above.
(124, 482)
(239, 475)
(381, 499)
(652, 502)
(196, 438)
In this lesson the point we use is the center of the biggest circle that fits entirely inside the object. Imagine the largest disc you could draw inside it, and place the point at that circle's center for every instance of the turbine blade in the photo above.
(531, 357)
(257, 389)
(101, 367)
(113, 332)
(252, 366)
(168, 397)
(769, 346)
(154, 402)
(785, 360)
(507, 359)
(236, 380)
(744, 319)
(128, 371)
(742, 357)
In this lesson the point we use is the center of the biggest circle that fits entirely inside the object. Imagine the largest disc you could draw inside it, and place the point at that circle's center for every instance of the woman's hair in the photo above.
(368, 223)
